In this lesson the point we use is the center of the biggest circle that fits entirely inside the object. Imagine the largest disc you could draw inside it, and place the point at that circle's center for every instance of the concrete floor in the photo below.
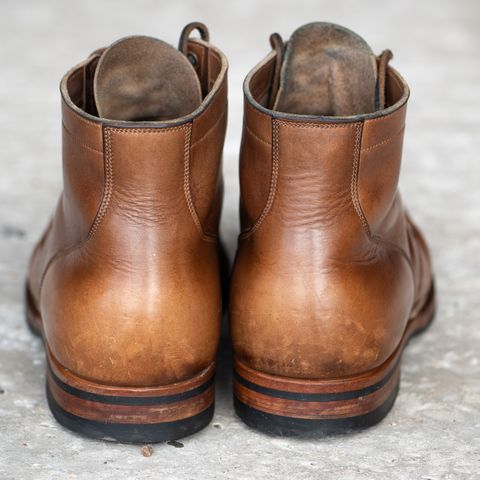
(433, 431)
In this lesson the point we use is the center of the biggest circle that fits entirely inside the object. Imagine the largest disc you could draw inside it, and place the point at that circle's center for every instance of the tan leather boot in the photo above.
(124, 285)
(331, 277)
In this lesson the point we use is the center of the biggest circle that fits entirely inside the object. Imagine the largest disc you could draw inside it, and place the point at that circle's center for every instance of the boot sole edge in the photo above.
(302, 407)
(125, 414)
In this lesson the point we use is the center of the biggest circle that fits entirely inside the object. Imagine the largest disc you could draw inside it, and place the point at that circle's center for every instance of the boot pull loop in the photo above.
(185, 35)
(278, 45)
(380, 97)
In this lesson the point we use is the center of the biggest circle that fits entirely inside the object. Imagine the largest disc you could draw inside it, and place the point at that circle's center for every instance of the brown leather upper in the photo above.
(329, 268)
(126, 277)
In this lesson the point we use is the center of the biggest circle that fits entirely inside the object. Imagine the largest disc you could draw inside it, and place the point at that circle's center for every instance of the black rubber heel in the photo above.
(307, 428)
(130, 433)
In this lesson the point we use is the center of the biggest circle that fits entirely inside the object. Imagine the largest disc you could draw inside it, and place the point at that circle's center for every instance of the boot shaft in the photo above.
(164, 178)
(334, 179)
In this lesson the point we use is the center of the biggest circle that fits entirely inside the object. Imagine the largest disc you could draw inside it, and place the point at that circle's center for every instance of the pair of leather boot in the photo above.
(331, 277)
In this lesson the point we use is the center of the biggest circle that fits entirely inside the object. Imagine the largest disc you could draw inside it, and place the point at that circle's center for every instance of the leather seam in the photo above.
(384, 117)
(273, 183)
(106, 196)
(275, 165)
(61, 253)
(108, 189)
(139, 131)
(186, 168)
(79, 142)
(373, 237)
(250, 131)
(88, 122)
(256, 110)
(109, 169)
(187, 188)
(384, 142)
(287, 123)
(36, 248)
(108, 186)
(210, 130)
(376, 238)
(80, 119)
(354, 183)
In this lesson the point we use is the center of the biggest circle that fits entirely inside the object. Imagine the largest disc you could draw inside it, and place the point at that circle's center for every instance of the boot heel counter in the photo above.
(115, 327)
(336, 324)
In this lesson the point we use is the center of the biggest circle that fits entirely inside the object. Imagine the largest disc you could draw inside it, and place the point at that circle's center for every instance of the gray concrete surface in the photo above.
(433, 431)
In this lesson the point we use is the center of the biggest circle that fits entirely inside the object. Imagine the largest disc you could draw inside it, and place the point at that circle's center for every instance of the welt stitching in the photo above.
(79, 142)
(255, 135)
(273, 182)
(210, 130)
(187, 190)
(384, 142)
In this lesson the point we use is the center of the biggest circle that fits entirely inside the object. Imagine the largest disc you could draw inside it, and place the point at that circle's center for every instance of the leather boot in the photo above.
(331, 277)
(124, 285)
